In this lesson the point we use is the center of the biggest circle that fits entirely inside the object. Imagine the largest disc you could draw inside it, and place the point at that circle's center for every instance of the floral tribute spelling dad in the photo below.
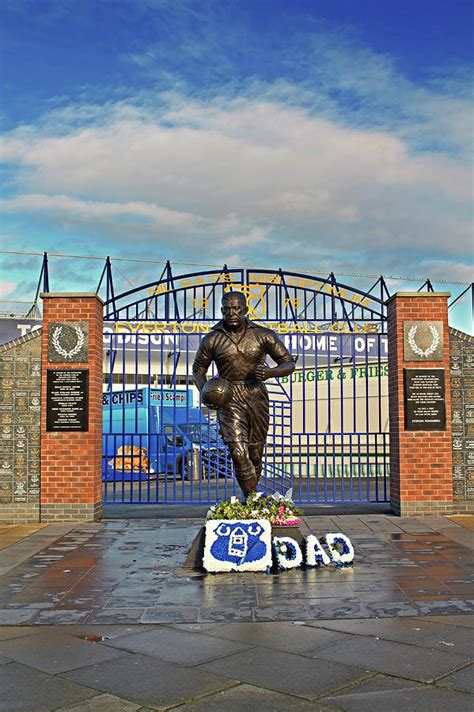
(239, 538)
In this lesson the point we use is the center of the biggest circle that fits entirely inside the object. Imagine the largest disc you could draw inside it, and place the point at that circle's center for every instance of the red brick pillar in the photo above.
(71, 418)
(420, 446)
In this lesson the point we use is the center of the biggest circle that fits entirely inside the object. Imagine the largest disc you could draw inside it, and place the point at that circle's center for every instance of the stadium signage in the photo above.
(333, 374)
(283, 327)
(258, 280)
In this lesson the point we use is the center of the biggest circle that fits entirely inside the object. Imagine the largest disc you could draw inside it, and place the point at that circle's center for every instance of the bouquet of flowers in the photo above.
(278, 509)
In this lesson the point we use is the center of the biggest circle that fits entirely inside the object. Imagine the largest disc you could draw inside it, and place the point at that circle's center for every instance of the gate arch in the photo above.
(328, 439)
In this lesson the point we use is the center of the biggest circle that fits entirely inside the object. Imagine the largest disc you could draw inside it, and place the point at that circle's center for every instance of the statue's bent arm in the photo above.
(201, 364)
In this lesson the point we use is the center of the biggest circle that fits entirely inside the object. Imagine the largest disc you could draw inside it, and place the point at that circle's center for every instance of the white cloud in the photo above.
(250, 176)
(254, 236)
(89, 211)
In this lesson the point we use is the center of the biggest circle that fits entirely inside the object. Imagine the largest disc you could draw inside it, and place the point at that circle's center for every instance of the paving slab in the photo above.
(392, 695)
(103, 703)
(95, 632)
(116, 616)
(283, 636)
(352, 608)
(285, 672)
(393, 658)
(460, 680)
(56, 652)
(466, 621)
(290, 611)
(178, 646)
(150, 681)
(61, 617)
(449, 607)
(389, 609)
(254, 698)
(10, 616)
(169, 614)
(10, 632)
(25, 689)
(456, 640)
(403, 630)
(11, 533)
(209, 614)
(194, 627)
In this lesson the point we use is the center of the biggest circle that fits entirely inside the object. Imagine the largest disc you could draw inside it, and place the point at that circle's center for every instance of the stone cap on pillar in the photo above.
(417, 294)
(69, 295)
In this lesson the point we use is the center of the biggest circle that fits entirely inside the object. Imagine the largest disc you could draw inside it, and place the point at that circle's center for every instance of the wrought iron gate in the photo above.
(328, 437)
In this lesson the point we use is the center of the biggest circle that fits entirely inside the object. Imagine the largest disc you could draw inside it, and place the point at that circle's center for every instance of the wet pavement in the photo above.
(103, 616)
(128, 571)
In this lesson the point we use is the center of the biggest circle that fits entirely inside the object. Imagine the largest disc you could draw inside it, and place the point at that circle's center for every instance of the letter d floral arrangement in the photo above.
(239, 538)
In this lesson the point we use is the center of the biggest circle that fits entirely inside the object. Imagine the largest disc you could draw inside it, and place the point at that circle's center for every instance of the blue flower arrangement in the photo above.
(245, 544)
(288, 554)
(237, 545)
(315, 554)
(340, 548)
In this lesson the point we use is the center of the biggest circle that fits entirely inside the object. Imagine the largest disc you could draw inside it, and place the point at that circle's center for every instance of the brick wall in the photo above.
(71, 462)
(421, 474)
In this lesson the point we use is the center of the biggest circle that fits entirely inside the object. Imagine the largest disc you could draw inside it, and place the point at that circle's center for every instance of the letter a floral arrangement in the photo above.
(239, 538)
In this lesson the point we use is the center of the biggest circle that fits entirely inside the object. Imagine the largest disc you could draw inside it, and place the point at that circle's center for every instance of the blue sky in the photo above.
(324, 135)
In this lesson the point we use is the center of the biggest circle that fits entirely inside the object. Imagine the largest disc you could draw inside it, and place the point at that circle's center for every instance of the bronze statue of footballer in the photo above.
(239, 348)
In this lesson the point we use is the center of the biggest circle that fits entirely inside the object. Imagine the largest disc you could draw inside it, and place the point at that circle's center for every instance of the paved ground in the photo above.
(103, 617)
(11, 533)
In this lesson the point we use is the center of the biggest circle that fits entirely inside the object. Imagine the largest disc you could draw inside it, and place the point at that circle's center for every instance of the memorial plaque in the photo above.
(458, 472)
(21, 367)
(423, 341)
(425, 404)
(456, 417)
(6, 400)
(6, 447)
(456, 398)
(5, 492)
(7, 368)
(35, 401)
(6, 432)
(67, 400)
(459, 489)
(68, 341)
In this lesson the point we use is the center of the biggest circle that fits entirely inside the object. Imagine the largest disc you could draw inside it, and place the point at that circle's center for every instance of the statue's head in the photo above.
(234, 309)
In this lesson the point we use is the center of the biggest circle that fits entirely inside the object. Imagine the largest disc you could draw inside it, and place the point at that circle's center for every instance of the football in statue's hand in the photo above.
(216, 392)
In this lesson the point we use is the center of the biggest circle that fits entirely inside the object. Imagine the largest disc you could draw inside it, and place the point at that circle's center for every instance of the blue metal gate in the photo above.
(328, 437)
